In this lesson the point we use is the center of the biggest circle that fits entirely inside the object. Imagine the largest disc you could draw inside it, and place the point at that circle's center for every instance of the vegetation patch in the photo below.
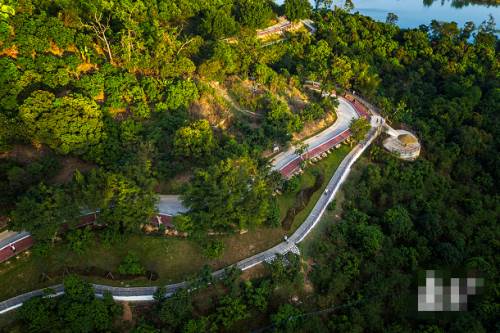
(301, 200)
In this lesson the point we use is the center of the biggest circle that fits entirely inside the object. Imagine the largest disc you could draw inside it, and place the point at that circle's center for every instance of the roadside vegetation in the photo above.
(125, 89)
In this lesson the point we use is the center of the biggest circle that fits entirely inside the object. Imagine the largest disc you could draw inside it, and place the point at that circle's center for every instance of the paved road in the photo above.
(345, 113)
(146, 293)
(171, 205)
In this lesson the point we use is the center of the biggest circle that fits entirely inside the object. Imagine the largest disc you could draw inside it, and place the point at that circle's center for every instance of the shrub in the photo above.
(292, 185)
(131, 265)
(213, 249)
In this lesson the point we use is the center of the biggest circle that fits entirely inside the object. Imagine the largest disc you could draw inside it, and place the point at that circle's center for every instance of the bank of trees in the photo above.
(77, 310)
(124, 203)
(113, 83)
(229, 196)
(402, 218)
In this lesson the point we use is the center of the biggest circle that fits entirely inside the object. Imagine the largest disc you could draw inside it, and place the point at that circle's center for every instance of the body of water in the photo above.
(413, 13)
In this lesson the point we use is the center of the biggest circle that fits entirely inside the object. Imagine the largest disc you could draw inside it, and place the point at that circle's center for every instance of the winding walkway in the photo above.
(288, 161)
(146, 293)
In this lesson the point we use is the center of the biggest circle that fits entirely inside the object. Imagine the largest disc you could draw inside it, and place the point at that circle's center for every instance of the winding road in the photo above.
(172, 205)
(287, 161)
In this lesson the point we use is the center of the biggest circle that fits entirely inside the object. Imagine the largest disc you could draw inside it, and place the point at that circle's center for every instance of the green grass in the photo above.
(330, 217)
(327, 168)
(174, 259)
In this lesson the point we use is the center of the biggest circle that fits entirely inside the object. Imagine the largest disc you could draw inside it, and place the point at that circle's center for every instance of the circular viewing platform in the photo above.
(403, 144)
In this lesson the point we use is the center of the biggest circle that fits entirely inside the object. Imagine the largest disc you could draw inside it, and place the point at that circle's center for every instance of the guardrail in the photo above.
(146, 293)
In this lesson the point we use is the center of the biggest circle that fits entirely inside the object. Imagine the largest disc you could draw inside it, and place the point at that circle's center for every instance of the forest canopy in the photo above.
(137, 92)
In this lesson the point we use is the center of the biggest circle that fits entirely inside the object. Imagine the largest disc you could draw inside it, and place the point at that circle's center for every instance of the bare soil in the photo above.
(25, 154)
(209, 108)
(127, 312)
(313, 128)
(69, 166)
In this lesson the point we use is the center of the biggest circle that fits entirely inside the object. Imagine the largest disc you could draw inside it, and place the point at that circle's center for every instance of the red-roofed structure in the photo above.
(15, 247)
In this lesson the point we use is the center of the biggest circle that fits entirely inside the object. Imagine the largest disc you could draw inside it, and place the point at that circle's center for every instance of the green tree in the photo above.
(287, 319)
(231, 310)
(195, 141)
(126, 203)
(257, 296)
(131, 265)
(176, 310)
(67, 124)
(78, 310)
(391, 18)
(297, 9)
(80, 240)
(285, 269)
(6, 11)
(253, 13)
(359, 128)
(218, 22)
(39, 315)
(181, 94)
(44, 211)
(399, 223)
(230, 195)
(280, 122)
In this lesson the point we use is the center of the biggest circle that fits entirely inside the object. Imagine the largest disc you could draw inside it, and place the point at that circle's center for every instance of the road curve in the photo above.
(287, 161)
(345, 113)
(146, 293)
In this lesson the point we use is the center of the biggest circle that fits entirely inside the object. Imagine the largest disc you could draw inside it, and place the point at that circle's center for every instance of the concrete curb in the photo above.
(146, 293)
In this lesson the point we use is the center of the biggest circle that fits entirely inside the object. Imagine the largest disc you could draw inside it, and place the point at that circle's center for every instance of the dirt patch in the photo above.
(117, 112)
(256, 272)
(127, 312)
(85, 68)
(10, 52)
(4, 220)
(313, 127)
(100, 97)
(308, 267)
(209, 108)
(301, 201)
(55, 50)
(69, 166)
(25, 154)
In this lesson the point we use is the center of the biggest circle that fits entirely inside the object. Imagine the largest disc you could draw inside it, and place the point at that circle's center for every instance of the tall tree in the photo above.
(297, 9)
(359, 128)
(228, 196)
(68, 124)
(44, 211)
(253, 13)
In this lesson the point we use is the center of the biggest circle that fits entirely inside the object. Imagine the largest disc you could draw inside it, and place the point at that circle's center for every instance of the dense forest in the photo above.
(116, 85)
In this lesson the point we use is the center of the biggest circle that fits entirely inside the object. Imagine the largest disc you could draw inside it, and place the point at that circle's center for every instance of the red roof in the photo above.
(20, 245)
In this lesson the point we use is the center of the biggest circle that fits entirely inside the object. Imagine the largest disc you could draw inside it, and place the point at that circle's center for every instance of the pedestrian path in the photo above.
(290, 245)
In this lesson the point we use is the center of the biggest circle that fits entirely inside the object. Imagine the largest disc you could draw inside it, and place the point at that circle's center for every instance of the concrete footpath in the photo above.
(146, 293)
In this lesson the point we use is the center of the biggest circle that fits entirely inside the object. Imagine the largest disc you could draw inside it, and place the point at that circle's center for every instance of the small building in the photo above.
(12, 243)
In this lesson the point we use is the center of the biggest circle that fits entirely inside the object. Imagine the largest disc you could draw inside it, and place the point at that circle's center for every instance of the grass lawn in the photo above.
(174, 259)
(326, 168)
